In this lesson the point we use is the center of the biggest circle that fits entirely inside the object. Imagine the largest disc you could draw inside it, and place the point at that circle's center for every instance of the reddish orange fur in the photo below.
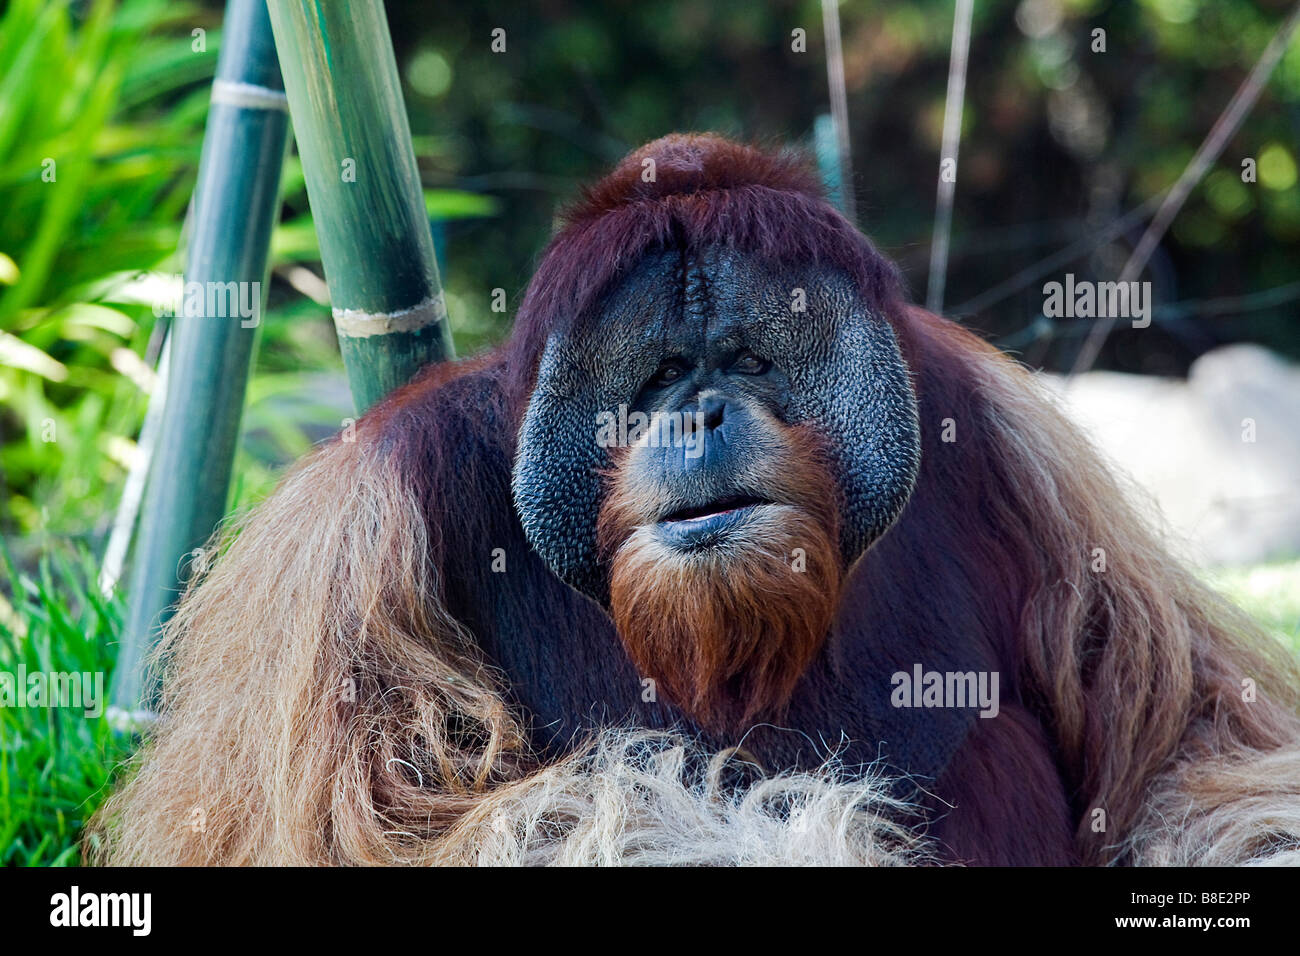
(729, 638)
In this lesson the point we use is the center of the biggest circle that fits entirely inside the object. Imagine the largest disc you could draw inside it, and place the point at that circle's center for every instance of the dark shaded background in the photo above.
(1057, 140)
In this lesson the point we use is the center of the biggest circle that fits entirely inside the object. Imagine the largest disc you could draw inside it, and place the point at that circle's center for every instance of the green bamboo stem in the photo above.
(236, 200)
(364, 187)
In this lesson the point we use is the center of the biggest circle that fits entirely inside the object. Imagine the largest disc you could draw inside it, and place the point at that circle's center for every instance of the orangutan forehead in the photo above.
(722, 295)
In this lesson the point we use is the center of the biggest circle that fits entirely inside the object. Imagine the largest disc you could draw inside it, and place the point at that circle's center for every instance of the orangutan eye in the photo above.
(750, 364)
(667, 373)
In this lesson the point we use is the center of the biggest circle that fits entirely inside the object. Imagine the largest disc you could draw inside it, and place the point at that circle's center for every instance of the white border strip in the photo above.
(357, 324)
(249, 96)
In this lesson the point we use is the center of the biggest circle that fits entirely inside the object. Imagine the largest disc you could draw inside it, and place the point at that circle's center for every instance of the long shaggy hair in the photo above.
(1170, 712)
(321, 704)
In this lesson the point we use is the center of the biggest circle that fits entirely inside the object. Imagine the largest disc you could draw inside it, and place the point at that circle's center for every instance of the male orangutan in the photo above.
(870, 599)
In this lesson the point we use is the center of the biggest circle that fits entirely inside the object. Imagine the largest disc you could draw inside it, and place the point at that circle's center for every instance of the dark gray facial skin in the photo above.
(705, 480)
(715, 332)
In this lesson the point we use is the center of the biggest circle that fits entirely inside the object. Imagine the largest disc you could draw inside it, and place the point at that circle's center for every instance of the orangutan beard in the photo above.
(727, 630)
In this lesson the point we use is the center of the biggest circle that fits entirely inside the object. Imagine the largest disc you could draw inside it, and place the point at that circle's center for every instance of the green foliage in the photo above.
(96, 175)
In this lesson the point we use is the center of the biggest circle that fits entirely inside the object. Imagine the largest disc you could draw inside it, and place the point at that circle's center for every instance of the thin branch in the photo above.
(1170, 315)
(952, 113)
(839, 101)
(1075, 250)
(1223, 130)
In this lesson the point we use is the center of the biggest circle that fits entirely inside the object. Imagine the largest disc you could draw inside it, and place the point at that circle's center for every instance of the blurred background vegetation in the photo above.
(1057, 141)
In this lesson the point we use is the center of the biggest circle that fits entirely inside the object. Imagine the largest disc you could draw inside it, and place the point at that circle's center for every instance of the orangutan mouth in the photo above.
(704, 524)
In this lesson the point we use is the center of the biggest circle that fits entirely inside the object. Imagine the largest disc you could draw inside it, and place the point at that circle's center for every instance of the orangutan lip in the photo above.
(713, 509)
(705, 525)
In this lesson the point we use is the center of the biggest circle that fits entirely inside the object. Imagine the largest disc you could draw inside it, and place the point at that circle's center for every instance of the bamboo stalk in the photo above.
(364, 187)
(236, 201)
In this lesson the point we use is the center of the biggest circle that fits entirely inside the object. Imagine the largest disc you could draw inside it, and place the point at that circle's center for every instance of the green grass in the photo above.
(54, 762)
(1271, 592)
